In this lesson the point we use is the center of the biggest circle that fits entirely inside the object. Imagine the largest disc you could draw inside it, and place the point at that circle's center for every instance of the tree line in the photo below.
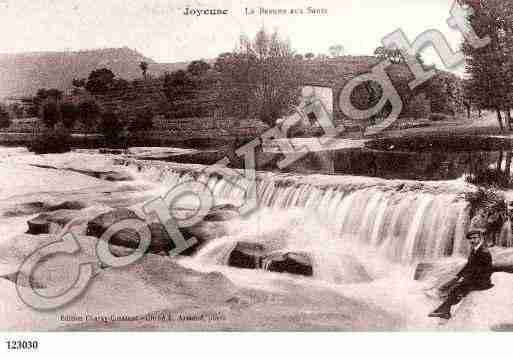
(60, 118)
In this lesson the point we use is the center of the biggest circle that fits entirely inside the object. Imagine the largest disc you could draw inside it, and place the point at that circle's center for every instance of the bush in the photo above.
(198, 68)
(100, 81)
(70, 114)
(52, 141)
(178, 85)
(489, 199)
(4, 118)
(113, 130)
(88, 113)
(143, 120)
(51, 115)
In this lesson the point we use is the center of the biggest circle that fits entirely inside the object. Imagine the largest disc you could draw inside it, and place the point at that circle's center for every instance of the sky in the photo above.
(160, 30)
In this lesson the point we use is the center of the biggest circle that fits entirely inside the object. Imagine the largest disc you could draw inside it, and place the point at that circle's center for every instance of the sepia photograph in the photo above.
(255, 166)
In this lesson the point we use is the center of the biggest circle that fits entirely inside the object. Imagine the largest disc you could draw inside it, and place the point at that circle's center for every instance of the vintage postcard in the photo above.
(170, 165)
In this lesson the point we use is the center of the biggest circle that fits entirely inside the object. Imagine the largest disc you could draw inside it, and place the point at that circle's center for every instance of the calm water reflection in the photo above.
(430, 166)
(479, 160)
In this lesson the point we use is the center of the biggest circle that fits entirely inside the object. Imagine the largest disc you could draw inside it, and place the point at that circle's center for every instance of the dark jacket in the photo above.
(478, 270)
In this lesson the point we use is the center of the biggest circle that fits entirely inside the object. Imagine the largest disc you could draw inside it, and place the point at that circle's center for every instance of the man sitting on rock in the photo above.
(474, 276)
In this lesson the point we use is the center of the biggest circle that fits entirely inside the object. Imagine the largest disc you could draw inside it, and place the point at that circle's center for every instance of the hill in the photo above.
(24, 73)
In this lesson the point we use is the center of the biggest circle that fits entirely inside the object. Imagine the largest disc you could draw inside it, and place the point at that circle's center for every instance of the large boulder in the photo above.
(100, 224)
(340, 269)
(38, 225)
(127, 237)
(209, 228)
(249, 255)
(51, 222)
(293, 263)
(212, 226)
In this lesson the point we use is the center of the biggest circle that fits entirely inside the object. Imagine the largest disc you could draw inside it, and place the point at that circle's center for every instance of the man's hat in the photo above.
(473, 231)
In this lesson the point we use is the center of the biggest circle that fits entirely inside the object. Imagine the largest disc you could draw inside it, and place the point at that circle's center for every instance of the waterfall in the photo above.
(405, 224)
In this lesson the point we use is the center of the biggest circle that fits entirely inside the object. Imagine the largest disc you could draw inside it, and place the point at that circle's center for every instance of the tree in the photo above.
(336, 50)
(70, 114)
(490, 67)
(51, 115)
(4, 118)
(33, 110)
(468, 97)
(112, 128)
(144, 68)
(177, 84)
(309, 55)
(45, 96)
(100, 81)
(17, 110)
(38, 100)
(88, 113)
(198, 68)
(222, 61)
(261, 78)
(143, 120)
(48, 94)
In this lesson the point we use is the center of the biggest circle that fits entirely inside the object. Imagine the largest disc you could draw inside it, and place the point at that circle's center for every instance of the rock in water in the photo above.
(221, 213)
(293, 263)
(160, 240)
(211, 227)
(38, 225)
(100, 224)
(247, 255)
(255, 256)
(126, 237)
(113, 176)
(422, 270)
(51, 222)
